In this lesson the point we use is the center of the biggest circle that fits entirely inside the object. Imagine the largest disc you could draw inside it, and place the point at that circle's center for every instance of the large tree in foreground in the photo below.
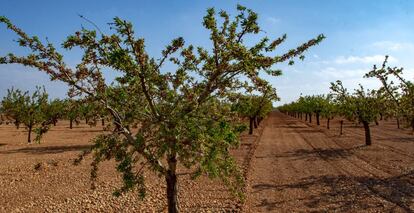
(180, 114)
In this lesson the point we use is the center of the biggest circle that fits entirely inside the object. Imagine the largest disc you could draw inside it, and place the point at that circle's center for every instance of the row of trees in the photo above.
(37, 113)
(392, 100)
(184, 116)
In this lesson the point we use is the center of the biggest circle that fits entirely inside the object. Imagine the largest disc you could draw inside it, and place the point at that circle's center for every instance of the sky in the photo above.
(359, 34)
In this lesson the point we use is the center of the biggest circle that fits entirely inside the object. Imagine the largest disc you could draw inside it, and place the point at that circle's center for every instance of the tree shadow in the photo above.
(316, 153)
(345, 193)
(48, 149)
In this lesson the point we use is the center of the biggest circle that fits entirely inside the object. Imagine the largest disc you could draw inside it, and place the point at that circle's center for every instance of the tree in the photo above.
(72, 111)
(180, 115)
(361, 106)
(29, 110)
(55, 110)
(400, 97)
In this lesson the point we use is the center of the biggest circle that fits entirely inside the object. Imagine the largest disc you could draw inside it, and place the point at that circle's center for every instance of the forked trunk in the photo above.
(342, 124)
(367, 133)
(251, 126)
(172, 186)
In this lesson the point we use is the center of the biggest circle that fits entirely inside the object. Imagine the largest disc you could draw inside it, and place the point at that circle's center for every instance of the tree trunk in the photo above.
(310, 117)
(381, 117)
(412, 124)
(29, 137)
(54, 122)
(398, 123)
(306, 116)
(70, 123)
(251, 126)
(86, 120)
(255, 122)
(342, 124)
(367, 133)
(327, 123)
(103, 122)
(376, 122)
(317, 119)
(172, 187)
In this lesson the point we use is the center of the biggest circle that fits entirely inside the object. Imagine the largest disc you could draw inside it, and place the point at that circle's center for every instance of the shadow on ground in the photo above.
(48, 149)
(344, 193)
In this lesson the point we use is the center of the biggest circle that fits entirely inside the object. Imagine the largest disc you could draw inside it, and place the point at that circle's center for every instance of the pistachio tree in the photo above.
(180, 115)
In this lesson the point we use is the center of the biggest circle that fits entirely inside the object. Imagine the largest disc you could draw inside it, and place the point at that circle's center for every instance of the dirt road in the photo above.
(297, 167)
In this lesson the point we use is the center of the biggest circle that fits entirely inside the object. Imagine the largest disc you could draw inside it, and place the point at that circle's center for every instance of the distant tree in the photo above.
(400, 97)
(28, 110)
(180, 114)
(55, 110)
(72, 111)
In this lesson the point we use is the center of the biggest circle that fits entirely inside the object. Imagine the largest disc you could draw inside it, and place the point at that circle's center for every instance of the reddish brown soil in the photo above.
(295, 166)
(300, 167)
(59, 186)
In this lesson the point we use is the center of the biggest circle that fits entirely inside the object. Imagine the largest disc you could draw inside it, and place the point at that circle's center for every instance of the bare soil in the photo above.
(290, 165)
(302, 167)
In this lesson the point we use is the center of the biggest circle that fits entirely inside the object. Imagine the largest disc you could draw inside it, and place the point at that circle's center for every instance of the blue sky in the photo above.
(359, 34)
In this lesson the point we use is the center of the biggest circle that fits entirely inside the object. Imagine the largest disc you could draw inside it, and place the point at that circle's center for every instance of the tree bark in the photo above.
(306, 116)
(251, 126)
(255, 122)
(29, 137)
(342, 124)
(327, 123)
(398, 123)
(412, 124)
(317, 119)
(70, 123)
(172, 187)
(310, 117)
(367, 133)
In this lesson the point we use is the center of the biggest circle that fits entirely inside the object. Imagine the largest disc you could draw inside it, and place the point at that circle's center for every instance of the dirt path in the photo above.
(298, 168)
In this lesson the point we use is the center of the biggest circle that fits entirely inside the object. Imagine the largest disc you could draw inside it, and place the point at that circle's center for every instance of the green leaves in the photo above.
(185, 114)
(33, 111)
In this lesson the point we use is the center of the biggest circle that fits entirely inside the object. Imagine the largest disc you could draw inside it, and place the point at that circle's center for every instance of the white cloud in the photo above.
(273, 20)
(393, 46)
(375, 59)
(335, 73)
